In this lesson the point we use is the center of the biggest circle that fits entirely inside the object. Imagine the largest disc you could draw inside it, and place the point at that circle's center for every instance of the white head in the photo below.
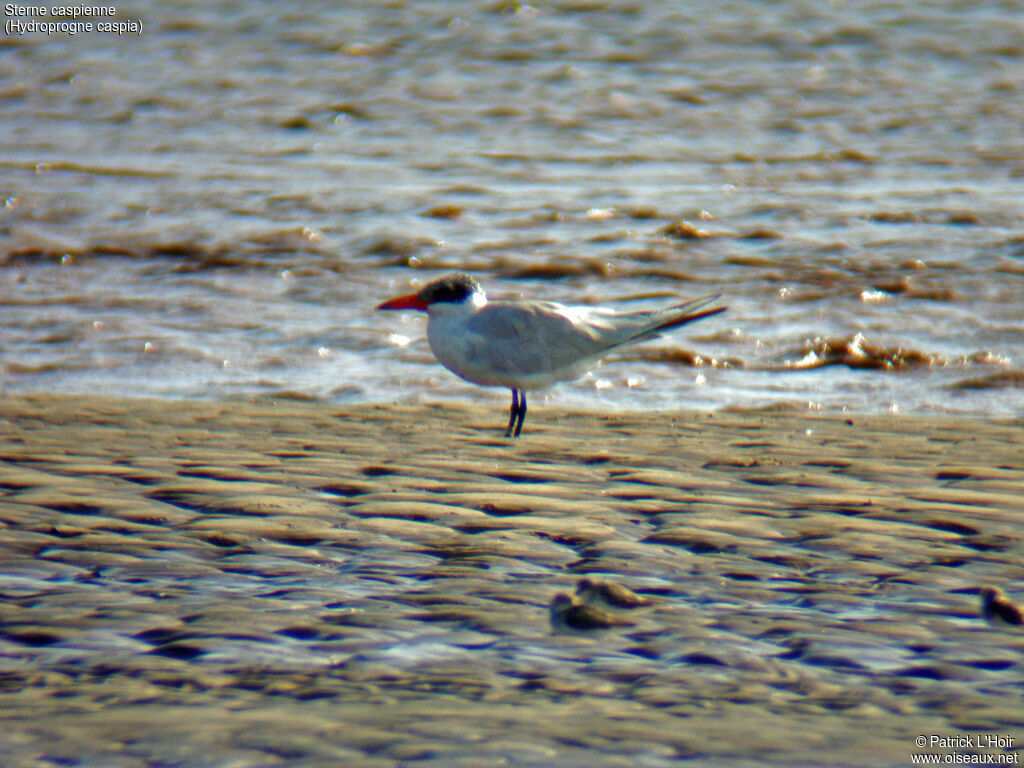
(455, 290)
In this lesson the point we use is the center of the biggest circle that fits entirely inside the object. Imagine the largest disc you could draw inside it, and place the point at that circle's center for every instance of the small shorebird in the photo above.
(570, 614)
(997, 609)
(527, 345)
(609, 593)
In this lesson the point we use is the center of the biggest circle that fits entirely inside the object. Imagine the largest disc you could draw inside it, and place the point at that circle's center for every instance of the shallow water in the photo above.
(213, 208)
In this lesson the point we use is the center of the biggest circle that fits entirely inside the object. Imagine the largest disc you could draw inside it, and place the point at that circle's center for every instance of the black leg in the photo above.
(522, 414)
(513, 414)
(516, 413)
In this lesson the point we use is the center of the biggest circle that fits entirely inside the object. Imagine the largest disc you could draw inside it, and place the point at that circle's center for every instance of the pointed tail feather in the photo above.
(682, 314)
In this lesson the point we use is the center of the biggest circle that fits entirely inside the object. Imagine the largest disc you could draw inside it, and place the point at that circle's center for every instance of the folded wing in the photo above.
(554, 342)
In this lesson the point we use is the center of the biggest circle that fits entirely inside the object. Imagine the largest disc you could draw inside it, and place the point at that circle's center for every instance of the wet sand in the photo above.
(288, 583)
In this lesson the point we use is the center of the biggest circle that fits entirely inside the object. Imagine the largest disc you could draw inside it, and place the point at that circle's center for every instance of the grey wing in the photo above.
(537, 338)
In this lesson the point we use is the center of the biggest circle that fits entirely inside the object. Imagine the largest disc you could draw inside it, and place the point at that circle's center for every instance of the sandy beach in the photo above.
(292, 583)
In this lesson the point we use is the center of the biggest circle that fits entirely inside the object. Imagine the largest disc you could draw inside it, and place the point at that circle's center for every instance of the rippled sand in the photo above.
(288, 583)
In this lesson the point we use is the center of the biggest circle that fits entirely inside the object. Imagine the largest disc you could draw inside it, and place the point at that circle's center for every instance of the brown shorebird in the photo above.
(567, 613)
(997, 609)
(609, 593)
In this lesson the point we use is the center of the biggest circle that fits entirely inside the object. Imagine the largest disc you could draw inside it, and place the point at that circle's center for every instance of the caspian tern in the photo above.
(526, 345)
